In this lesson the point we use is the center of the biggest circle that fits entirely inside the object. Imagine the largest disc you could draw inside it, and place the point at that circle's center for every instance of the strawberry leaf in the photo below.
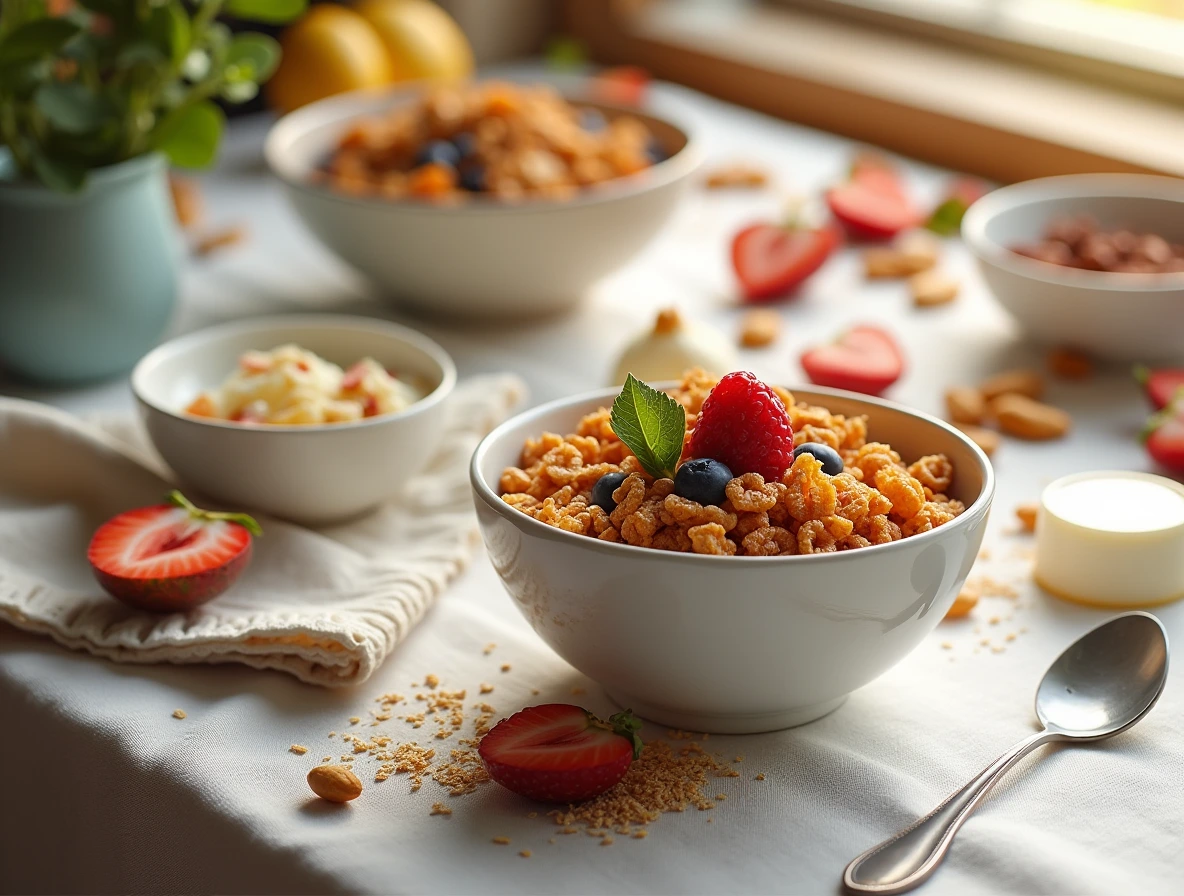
(652, 426)
(628, 725)
(247, 522)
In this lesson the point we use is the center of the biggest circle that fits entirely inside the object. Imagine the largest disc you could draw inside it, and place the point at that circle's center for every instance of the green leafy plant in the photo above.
(89, 83)
(651, 424)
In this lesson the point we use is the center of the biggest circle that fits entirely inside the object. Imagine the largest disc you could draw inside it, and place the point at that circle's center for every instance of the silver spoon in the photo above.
(1102, 684)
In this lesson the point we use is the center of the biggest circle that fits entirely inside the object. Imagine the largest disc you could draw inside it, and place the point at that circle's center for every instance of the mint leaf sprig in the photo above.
(651, 424)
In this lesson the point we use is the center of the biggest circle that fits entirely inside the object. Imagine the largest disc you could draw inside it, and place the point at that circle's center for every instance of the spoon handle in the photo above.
(907, 859)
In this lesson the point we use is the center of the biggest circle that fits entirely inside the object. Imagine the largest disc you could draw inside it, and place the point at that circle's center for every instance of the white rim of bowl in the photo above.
(977, 508)
(321, 321)
(1070, 186)
(321, 115)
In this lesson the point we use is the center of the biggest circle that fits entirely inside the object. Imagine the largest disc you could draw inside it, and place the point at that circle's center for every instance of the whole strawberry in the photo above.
(744, 425)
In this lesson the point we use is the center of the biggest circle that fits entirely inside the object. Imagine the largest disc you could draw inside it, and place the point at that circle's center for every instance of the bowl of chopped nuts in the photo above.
(729, 556)
(490, 200)
(1093, 261)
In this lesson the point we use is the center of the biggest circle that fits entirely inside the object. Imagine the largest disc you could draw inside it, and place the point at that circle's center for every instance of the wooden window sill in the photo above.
(954, 107)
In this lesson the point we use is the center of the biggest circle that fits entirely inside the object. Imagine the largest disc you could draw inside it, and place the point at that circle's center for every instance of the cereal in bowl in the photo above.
(727, 467)
(493, 139)
(291, 385)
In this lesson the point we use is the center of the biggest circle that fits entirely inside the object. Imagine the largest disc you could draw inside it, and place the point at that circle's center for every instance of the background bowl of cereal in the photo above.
(313, 440)
(1100, 261)
(737, 643)
(487, 200)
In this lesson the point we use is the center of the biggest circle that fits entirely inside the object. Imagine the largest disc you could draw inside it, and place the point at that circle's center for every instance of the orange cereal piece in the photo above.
(736, 176)
(966, 601)
(202, 406)
(710, 538)
(898, 486)
(810, 493)
(770, 541)
(1027, 514)
(934, 472)
(432, 180)
(751, 493)
(965, 405)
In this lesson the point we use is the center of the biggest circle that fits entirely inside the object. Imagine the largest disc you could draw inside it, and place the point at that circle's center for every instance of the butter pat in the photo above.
(1112, 538)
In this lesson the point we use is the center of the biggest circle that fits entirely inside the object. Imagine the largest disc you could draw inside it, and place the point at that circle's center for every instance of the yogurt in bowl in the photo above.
(733, 644)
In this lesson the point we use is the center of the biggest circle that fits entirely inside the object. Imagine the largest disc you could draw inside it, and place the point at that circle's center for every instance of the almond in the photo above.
(910, 254)
(986, 439)
(1024, 418)
(760, 328)
(930, 288)
(962, 605)
(335, 783)
(965, 405)
(1017, 382)
(1027, 516)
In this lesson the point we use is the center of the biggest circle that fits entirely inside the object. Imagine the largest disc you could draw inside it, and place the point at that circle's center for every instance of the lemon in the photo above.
(329, 50)
(422, 40)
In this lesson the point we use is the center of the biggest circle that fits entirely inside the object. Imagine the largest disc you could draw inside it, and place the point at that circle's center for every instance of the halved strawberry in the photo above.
(1164, 435)
(874, 202)
(946, 218)
(560, 753)
(770, 260)
(864, 359)
(171, 557)
(1161, 386)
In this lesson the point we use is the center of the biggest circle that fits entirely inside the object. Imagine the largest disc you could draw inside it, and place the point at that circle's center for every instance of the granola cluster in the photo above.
(876, 499)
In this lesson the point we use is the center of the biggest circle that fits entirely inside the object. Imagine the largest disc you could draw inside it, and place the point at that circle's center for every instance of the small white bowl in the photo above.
(1127, 317)
(732, 644)
(481, 257)
(313, 475)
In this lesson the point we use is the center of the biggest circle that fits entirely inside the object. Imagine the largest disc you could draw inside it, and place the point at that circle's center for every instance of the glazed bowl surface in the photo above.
(481, 258)
(316, 474)
(733, 644)
(1124, 317)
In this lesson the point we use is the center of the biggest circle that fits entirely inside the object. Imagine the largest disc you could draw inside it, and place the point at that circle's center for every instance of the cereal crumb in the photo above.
(738, 759)
(760, 777)
(607, 841)
(760, 328)
(179, 714)
(525, 853)
(933, 287)
(505, 667)
(431, 681)
(440, 809)
(550, 839)
(353, 720)
(998, 648)
(721, 796)
(532, 815)
(737, 176)
(326, 759)
(640, 835)
(1070, 364)
(1027, 514)
(298, 749)
(489, 648)
(576, 691)
(947, 645)
(994, 620)
(485, 688)
(502, 841)
(966, 601)
(535, 692)
(332, 734)
(1010, 636)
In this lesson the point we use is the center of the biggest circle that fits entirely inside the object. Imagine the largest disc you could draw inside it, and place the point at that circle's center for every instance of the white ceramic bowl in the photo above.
(309, 474)
(732, 644)
(1119, 316)
(480, 258)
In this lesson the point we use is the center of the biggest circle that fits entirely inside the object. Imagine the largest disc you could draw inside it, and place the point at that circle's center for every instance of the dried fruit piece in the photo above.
(965, 405)
(1027, 419)
(335, 783)
(760, 328)
(1027, 514)
(1013, 382)
(931, 288)
(1070, 363)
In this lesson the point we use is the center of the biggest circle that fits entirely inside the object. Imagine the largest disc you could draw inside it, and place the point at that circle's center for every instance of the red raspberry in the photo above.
(744, 424)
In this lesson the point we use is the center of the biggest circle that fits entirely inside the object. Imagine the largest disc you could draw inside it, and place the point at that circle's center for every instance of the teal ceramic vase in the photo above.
(88, 280)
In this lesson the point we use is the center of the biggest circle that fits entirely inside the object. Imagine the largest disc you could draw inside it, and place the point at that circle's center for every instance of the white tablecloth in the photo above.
(104, 791)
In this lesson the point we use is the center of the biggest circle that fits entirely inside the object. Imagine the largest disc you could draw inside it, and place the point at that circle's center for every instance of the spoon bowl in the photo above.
(1106, 680)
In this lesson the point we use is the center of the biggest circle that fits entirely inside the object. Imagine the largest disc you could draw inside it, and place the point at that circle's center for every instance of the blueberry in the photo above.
(440, 152)
(602, 491)
(592, 120)
(656, 152)
(472, 177)
(832, 464)
(702, 480)
(465, 143)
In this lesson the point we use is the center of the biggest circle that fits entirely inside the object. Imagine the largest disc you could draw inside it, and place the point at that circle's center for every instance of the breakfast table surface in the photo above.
(105, 791)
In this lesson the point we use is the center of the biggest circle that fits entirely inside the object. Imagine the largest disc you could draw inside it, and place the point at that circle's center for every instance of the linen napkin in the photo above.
(325, 605)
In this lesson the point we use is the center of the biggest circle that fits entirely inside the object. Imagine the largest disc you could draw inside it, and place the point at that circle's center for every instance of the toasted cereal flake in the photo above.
(505, 667)
(179, 714)
(489, 648)
(485, 688)
(326, 759)
(440, 809)
(607, 841)
(502, 841)
(1010, 636)
(1027, 514)
(640, 835)
(298, 749)
(738, 759)
(431, 681)
(525, 853)
(947, 645)
(760, 777)
(353, 720)
(721, 796)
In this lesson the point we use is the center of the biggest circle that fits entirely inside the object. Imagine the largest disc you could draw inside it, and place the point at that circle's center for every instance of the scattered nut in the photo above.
(911, 253)
(962, 605)
(179, 714)
(1024, 418)
(986, 439)
(298, 749)
(965, 405)
(1017, 382)
(930, 288)
(335, 783)
(1070, 363)
(739, 175)
(760, 328)
(1027, 516)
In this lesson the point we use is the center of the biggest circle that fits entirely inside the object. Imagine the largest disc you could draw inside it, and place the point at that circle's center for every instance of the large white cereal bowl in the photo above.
(481, 257)
(732, 644)
(1126, 317)
(315, 474)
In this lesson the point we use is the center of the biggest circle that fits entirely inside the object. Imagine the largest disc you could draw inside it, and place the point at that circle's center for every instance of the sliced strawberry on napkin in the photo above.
(864, 359)
(171, 557)
(771, 260)
(1164, 436)
(560, 753)
(874, 202)
(1161, 385)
